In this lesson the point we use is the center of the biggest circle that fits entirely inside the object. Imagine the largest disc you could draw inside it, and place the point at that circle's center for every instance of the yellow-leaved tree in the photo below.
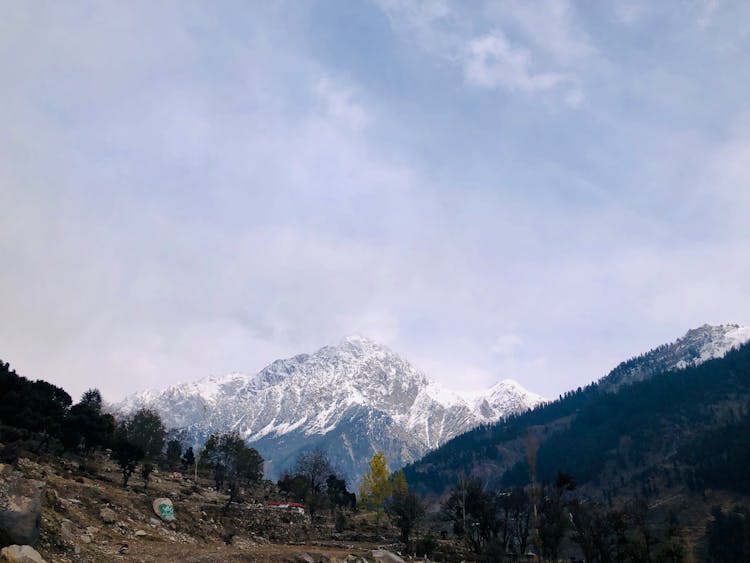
(376, 487)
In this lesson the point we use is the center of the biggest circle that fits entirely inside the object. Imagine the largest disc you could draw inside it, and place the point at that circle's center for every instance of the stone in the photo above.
(140, 533)
(92, 530)
(164, 509)
(85, 538)
(67, 532)
(20, 507)
(383, 556)
(153, 521)
(108, 515)
(21, 554)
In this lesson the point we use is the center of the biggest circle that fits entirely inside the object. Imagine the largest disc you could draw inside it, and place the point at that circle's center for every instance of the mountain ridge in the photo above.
(653, 380)
(342, 390)
(696, 346)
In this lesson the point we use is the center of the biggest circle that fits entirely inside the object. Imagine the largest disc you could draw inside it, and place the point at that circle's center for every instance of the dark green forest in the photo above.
(697, 416)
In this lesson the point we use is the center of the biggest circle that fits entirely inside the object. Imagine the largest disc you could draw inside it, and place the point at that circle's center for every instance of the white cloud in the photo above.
(491, 62)
(630, 12)
(506, 344)
(575, 98)
(340, 104)
(547, 49)
(198, 191)
(706, 12)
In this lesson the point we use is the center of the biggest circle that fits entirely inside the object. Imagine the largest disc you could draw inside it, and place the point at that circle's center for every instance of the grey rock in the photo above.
(108, 515)
(67, 532)
(20, 508)
(164, 509)
(21, 554)
(383, 556)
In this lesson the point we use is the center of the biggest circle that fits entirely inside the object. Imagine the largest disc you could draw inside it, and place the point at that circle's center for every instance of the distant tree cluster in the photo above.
(625, 534)
(40, 417)
(139, 438)
(513, 523)
(404, 508)
(31, 412)
(231, 462)
(488, 521)
(314, 481)
(390, 494)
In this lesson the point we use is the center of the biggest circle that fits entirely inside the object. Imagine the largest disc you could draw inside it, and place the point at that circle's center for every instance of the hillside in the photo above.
(86, 515)
(607, 433)
(352, 399)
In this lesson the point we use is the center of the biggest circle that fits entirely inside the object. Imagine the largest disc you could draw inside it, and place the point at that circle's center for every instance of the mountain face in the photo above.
(697, 346)
(614, 432)
(352, 399)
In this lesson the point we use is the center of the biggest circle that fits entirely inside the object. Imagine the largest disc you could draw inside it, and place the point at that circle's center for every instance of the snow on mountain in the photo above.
(697, 346)
(354, 399)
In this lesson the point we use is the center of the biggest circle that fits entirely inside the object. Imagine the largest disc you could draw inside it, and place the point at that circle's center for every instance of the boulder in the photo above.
(383, 556)
(20, 507)
(108, 515)
(164, 509)
(21, 554)
(67, 532)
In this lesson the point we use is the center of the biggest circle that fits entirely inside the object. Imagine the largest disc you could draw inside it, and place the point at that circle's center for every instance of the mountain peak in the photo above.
(360, 344)
(697, 345)
(359, 340)
(354, 398)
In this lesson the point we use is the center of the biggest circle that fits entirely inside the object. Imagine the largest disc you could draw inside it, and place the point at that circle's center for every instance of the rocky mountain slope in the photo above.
(352, 399)
(84, 514)
(695, 347)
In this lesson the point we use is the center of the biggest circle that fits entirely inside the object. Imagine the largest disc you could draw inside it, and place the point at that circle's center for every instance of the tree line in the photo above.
(40, 417)
(509, 524)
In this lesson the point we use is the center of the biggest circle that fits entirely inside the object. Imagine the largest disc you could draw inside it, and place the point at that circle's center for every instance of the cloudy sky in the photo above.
(534, 190)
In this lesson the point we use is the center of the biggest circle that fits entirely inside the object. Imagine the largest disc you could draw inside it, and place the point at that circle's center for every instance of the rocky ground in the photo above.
(86, 515)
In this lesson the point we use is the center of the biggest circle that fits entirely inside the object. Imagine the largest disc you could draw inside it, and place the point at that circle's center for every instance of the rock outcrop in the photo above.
(20, 508)
(21, 554)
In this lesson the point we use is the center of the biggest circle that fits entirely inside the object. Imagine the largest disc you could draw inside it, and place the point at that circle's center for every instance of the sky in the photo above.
(526, 190)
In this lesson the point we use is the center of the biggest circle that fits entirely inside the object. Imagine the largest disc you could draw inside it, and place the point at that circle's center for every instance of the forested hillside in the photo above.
(681, 426)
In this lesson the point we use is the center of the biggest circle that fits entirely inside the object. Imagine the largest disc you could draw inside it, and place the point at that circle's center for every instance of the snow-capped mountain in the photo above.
(697, 346)
(353, 399)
